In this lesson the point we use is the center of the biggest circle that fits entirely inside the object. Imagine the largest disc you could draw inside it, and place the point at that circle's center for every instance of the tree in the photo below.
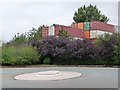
(34, 35)
(88, 14)
(117, 50)
(18, 39)
(63, 33)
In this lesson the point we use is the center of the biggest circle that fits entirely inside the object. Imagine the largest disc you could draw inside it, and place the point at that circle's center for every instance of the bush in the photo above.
(116, 52)
(64, 51)
(107, 46)
(47, 61)
(19, 55)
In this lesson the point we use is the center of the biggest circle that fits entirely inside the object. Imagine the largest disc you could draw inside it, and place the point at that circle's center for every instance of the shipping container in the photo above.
(71, 31)
(110, 33)
(87, 34)
(93, 33)
(96, 25)
(51, 31)
(80, 26)
(44, 31)
(93, 25)
(99, 33)
(86, 25)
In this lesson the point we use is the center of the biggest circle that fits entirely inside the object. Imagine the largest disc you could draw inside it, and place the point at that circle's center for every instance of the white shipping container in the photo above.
(51, 31)
(99, 33)
(93, 34)
(110, 33)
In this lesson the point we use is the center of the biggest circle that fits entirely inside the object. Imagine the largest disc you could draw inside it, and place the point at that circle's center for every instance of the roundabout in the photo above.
(48, 75)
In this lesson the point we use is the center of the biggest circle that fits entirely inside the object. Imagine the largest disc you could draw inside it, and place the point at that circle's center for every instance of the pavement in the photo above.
(91, 78)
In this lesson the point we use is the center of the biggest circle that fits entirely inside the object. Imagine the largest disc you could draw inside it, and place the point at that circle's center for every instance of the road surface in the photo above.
(91, 78)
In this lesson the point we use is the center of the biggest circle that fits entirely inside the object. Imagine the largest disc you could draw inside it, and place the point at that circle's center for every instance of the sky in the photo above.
(19, 16)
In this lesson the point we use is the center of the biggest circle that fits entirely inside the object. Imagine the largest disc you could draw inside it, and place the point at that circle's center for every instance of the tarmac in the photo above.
(91, 78)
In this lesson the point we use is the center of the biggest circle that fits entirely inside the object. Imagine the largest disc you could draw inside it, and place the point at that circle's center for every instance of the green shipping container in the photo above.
(86, 25)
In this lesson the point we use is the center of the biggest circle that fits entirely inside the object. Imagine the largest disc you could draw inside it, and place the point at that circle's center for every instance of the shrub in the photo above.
(19, 55)
(116, 53)
(106, 49)
(64, 51)
(47, 61)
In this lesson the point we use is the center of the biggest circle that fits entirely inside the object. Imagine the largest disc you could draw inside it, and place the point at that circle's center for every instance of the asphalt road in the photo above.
(91, 78)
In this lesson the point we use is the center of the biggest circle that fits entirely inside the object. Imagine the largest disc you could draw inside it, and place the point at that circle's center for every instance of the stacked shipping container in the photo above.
(94, 29)
(86, 30)
(51, 31)
(86, 25)
(96, 25)
(71, 31)
(54, 30)
(87, 34)
(80, 26)
(100, 28)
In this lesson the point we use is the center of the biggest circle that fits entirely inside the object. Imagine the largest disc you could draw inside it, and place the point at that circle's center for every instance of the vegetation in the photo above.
(30, 48)
(29, 38)
(109, 48)
(116, 52)
(47, 61)
(64, 51)
(63, 33)
(20, 50)
(34, 35)
(22, 55)
(88, 14)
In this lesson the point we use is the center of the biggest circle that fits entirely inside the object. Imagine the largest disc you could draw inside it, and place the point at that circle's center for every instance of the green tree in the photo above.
(114, 40)
(18, 39)
(117, 50)
(88, 14)
(63, 33)
(27, 38)
(103, 38)
(35, 34)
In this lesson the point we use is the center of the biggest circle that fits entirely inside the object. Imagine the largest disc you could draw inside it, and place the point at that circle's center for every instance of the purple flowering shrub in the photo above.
(64, 51)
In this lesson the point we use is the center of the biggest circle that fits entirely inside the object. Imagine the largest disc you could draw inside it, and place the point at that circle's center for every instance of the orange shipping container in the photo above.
(87, 34)
(80, 26)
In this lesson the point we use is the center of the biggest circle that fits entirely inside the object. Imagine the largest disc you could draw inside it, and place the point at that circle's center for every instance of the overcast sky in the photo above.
(21, 16)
